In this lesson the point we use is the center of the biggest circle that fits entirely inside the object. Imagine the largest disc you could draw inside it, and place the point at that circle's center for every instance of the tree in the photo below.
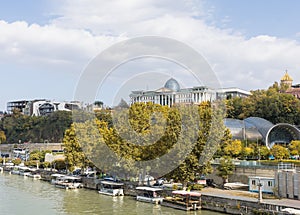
(225, 168)
(2, 137)
(17, 161)
(279, 152)
(264, 152)
(210, 133)
(271, 104)
(74, 156)
(247, 151)
(233, 149)
(294, 147)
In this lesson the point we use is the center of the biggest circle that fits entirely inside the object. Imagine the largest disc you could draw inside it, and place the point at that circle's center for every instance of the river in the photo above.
(19, 195)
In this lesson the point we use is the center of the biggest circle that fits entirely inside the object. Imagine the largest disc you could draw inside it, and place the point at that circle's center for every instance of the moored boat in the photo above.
(34, 175)
(183, 200)
(236, 186)
(68, 182)
(111, 188)
(24, 171)
(149, 194)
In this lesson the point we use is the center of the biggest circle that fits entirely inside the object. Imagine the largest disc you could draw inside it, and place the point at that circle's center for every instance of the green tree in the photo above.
(294, 147)
(234, 107)
(279, 152)
(211, 130)
(234, 149)
(225, 168)
(17, 161)
(264, 152)
(247, 151)
(74, 156)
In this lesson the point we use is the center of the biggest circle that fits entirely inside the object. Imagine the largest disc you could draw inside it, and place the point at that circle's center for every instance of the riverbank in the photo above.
(225, 201)
(244, 202)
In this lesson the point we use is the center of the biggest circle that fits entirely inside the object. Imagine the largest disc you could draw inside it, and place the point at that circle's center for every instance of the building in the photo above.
(267, 184)
(294, 90)
(20, 105)
(233, 93)
(172, 94)
(45, 107)
(41, 107)
(256, 128)
(288, 183)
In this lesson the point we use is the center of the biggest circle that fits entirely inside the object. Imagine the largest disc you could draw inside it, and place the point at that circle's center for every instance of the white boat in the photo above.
(55, 177)
(15, 171)
(69, 182)
(34, 175)
(149, 194)
(236, 186)
(24, 171)
(291, 211)
(111, 188)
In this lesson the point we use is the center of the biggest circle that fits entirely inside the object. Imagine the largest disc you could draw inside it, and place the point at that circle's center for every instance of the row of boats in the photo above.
(26, 172)
(179, 199)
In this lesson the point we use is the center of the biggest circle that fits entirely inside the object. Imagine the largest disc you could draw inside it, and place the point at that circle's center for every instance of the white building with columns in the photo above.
(171, 94)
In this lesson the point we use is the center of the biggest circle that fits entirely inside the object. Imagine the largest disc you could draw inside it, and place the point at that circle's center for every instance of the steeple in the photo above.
(286, 79)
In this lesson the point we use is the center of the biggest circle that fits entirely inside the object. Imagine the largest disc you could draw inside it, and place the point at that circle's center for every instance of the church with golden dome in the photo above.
(287, 80)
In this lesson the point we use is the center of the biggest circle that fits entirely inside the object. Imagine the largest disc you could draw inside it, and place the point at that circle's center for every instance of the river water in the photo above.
(19, 195)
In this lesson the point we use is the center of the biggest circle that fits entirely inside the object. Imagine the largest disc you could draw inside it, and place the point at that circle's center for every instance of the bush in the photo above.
(175, 187)
(17, 161)
(30, 163)
(197, 187)
(59, 164)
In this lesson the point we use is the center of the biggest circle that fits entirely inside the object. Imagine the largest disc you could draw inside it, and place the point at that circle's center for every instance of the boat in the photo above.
(55, 178)
(236, 186)
(15, 170)
(183, 200)
(24, 171)
(291, 211)
(34, 175)
(68, 182)
(111, 188)
(149, 194)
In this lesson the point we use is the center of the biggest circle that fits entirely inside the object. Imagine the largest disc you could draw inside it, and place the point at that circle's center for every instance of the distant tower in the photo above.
(286, 80)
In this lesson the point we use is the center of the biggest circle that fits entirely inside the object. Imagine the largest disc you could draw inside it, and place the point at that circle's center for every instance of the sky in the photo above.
(47, 45)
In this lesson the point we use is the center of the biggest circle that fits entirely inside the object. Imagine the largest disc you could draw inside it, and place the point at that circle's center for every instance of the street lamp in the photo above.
(259, 191)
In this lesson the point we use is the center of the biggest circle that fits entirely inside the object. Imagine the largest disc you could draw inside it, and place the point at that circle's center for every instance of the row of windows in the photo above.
(270, 183)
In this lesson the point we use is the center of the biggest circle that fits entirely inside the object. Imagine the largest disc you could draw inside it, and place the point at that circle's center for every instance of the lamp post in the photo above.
(259, 191)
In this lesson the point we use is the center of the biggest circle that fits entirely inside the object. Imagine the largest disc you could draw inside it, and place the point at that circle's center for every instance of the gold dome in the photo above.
(286, 77)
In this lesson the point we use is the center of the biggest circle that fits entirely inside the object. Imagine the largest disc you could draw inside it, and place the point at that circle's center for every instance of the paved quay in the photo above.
(249, 196)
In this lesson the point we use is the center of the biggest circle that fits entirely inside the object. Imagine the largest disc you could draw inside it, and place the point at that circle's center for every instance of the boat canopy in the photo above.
(112, 183)
(185, 193)
(149, 189)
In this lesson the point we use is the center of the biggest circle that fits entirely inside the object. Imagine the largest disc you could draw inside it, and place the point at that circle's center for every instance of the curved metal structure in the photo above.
(262, 125)
(255, 128)
(282, 133)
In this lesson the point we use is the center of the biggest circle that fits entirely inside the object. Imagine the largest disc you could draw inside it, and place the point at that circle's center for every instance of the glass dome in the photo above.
(173, 85)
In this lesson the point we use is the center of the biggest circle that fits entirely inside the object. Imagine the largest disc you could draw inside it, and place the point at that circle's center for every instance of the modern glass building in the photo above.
(255, 128)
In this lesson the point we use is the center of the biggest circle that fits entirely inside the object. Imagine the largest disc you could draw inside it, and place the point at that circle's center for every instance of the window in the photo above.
(270, 184)
(253, 182)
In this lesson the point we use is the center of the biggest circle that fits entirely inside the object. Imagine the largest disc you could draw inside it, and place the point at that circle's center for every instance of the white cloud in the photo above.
(86, 27)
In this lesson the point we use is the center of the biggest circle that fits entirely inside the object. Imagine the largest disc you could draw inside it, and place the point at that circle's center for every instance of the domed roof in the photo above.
(286, 77)
(172, 84)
